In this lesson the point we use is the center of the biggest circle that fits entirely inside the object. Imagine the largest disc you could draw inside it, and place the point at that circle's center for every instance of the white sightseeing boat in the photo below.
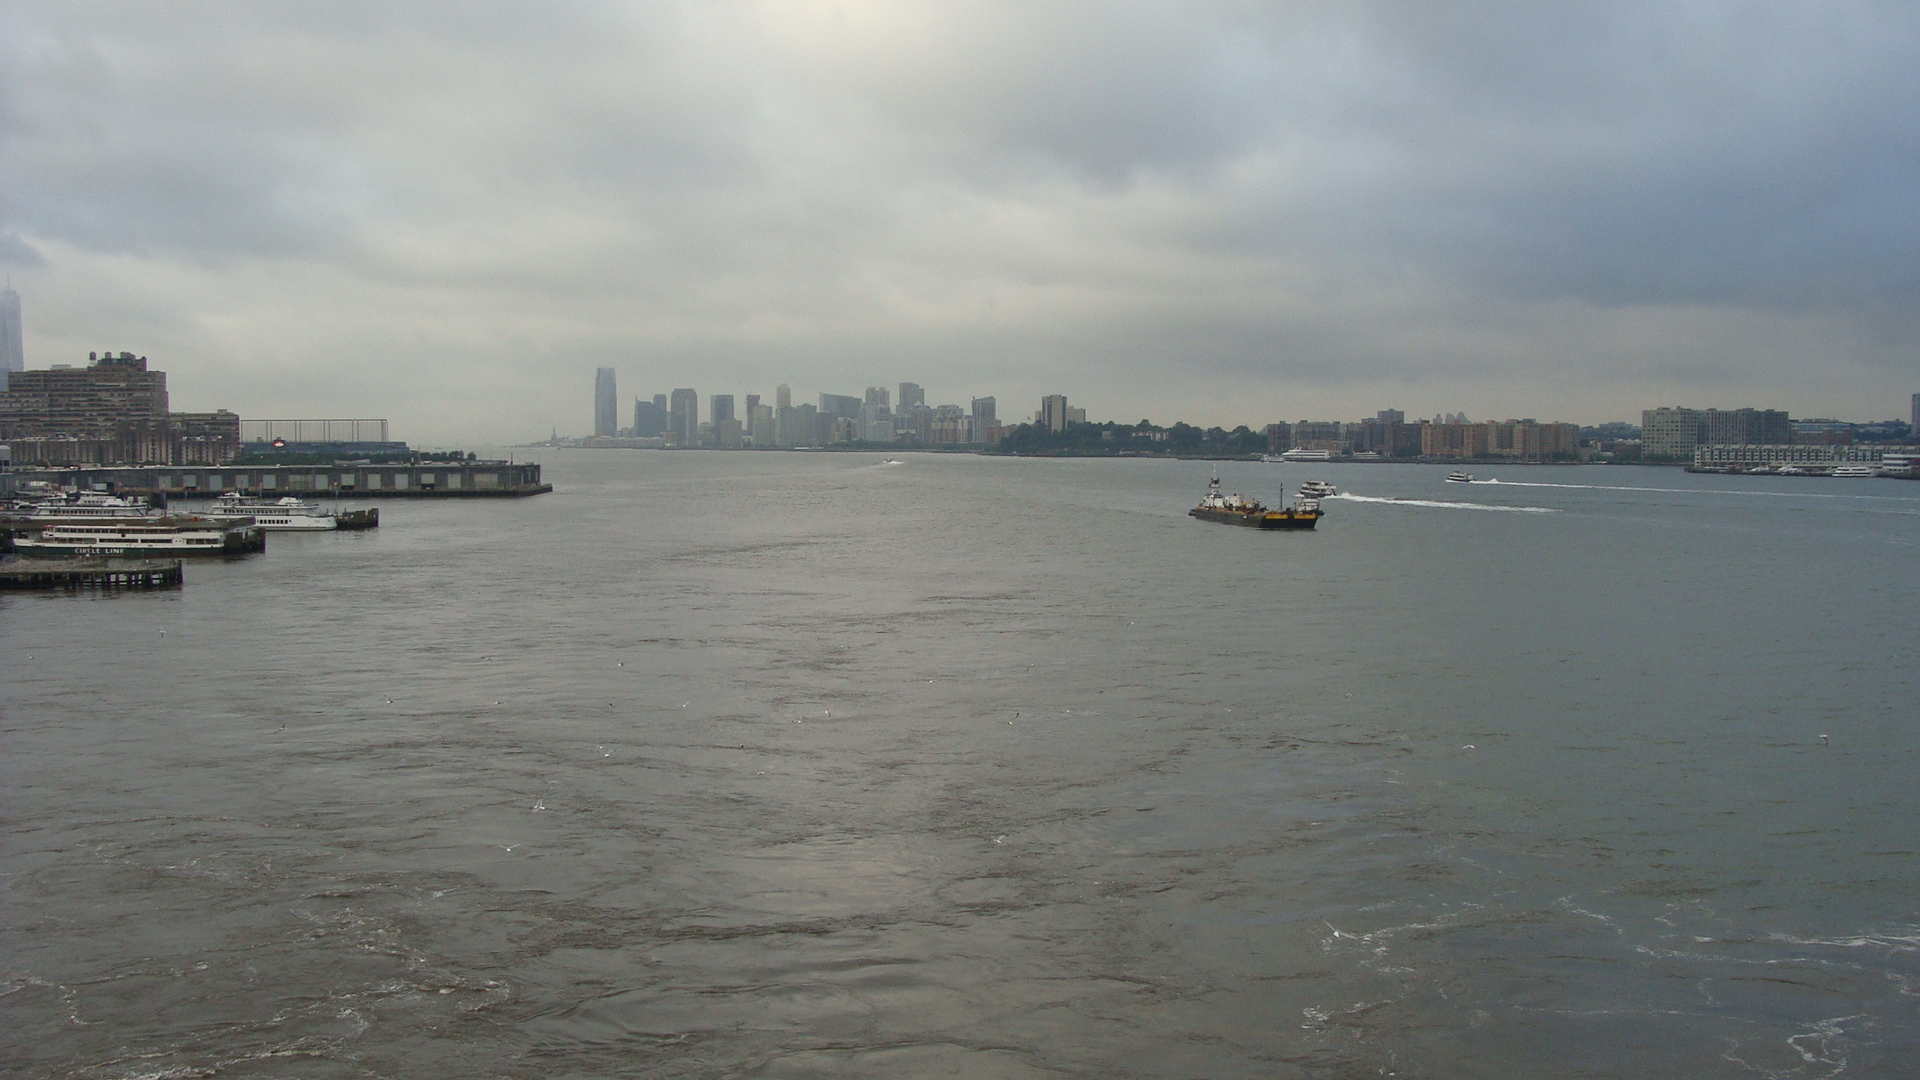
(90, 506)
(1317, 489)
(286, 514)
(160, 536)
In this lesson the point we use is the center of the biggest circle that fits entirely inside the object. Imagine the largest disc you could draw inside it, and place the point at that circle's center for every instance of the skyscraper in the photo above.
(1053, 412)
(683, 418)
(911, 395)
(844, 405)
(650, 416)
(606, 404)
(785, 423)
(727, 430)
(983, 418)
(760, 424)
(13, 355)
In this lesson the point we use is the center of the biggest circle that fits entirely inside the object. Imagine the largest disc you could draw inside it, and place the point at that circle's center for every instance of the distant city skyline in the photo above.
(1715, 424)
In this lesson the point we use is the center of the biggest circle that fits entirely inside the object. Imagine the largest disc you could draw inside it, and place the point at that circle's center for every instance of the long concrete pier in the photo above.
(428, 479)
(90, 574)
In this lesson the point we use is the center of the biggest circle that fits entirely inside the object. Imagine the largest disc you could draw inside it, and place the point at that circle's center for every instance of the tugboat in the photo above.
(1239, 510)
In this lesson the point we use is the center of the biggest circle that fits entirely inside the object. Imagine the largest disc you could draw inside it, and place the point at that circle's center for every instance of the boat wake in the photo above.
(1439, 505)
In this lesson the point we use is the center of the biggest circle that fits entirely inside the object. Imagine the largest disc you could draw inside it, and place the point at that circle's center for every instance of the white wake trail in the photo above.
(1438, 505)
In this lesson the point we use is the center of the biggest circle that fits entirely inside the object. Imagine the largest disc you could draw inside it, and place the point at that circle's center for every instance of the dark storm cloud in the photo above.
(1175, 205)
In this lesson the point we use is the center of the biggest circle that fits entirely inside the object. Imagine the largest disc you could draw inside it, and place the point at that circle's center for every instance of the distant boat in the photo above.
(1853, 470)
(1317, 489)
(1459, 478)
(1301, 455)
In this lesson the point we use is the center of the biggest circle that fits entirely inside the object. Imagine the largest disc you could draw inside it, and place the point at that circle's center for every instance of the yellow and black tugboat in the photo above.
(1238, 510)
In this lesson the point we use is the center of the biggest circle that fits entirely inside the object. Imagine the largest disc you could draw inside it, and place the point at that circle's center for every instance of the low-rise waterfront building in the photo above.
(1819, 455)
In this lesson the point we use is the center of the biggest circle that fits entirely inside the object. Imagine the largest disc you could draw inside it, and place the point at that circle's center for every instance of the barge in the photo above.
(1239, 510)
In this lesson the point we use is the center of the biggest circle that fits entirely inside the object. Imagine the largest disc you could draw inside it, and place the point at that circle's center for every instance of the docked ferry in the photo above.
(286, 514)
(89, 506)
(1239, 510)
(171, 537)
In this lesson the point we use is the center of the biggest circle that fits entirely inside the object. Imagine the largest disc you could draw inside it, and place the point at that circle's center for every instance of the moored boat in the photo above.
(167, 536)
(286, 514)
(1853, 470)
(89, 506)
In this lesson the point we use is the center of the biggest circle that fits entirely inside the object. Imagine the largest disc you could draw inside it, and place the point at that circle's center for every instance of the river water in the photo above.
(804, 765)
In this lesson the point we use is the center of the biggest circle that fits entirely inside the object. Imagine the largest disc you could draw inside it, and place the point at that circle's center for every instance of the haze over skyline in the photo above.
(1222, 213)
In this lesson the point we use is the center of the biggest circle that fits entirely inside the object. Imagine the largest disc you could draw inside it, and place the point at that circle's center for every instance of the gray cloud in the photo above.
(1224, 212)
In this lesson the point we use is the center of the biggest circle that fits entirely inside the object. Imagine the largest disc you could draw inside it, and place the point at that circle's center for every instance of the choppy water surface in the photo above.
(800, 765)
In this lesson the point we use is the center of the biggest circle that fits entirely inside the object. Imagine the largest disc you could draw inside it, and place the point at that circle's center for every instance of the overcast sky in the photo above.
(450, 214)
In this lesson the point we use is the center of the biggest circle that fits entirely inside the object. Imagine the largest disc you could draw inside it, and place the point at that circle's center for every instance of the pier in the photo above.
(360, 480)
(90, 574)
